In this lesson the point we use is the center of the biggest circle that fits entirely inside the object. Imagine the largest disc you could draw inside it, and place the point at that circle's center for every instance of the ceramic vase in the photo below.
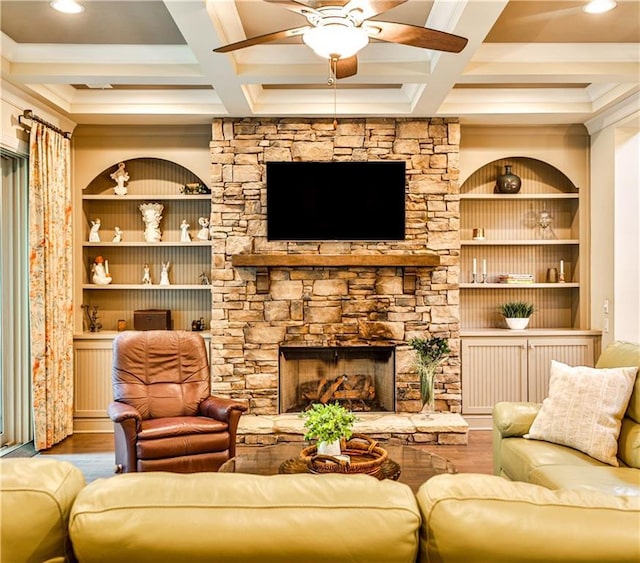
(518, 324)
(508, 183)
(329, 448)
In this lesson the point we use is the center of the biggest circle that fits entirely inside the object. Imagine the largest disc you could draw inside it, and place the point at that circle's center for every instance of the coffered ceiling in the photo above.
(149, 61)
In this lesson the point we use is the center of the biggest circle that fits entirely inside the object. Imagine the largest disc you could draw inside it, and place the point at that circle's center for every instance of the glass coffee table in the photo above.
(407, 464)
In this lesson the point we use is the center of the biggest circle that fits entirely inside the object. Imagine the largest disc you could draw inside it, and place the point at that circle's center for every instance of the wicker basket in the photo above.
(365, 456)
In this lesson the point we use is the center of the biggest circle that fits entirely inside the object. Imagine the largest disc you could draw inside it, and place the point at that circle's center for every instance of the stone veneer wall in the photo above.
(332, 306)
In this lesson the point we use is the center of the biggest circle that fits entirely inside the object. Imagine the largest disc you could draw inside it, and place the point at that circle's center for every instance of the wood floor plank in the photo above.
(476, 457)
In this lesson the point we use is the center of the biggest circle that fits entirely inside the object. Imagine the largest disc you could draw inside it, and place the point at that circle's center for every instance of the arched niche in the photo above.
(148, 175)
(538, 177)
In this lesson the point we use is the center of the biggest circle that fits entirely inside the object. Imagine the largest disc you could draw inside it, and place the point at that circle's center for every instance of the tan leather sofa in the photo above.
(469, 518)
(36, 496)
(226, 517)
(559, 467)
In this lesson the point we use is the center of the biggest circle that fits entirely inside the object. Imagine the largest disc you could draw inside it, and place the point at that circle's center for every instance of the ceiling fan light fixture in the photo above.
(599, 6)
(336, 39)
(67, 6)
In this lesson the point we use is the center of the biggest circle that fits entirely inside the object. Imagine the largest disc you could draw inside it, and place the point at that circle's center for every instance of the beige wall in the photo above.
(563, 146)
(14, 102)
(615, 228)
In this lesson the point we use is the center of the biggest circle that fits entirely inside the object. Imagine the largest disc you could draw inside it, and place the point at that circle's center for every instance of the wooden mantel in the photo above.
(262, 263)
(320, 260)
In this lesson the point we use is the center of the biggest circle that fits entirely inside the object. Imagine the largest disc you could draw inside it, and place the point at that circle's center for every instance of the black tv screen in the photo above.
(336, 200)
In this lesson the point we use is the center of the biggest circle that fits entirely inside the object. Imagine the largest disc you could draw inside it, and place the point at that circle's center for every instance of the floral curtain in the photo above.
(50, 288)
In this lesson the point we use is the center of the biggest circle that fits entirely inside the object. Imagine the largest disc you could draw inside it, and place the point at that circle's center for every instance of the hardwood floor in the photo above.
(476, 457)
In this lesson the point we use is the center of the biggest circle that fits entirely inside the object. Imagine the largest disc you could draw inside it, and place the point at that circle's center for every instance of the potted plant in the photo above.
(430, 354)
(517, 313)
(328, 424)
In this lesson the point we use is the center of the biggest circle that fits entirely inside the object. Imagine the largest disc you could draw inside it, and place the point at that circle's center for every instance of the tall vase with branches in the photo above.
(430, 353)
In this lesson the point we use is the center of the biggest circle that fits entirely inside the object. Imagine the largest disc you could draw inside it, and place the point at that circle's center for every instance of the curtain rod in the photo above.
(28, 114)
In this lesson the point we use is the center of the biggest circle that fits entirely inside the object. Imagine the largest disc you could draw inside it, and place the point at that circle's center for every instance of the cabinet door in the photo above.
(573, 351)
(493, 370)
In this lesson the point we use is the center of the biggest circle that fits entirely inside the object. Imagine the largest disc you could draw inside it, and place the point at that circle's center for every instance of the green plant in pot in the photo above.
(517, 314)
(328, 424)
(430, 353)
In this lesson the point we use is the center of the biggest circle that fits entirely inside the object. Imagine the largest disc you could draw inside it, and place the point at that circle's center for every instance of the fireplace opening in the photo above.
(361, 378)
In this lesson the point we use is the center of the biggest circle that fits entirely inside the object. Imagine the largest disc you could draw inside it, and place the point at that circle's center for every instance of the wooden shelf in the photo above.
(507, 197)
(146, 287)
(564, 285)
(147, 197)
(111, 334)
(568, 331)
(511, 242)
(335, 260)
(149, 244)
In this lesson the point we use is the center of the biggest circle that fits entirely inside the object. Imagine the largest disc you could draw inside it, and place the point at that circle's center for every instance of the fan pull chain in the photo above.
(333, 81)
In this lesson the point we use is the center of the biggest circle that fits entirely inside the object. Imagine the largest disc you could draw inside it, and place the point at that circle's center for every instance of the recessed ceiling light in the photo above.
(599, 6)
(67, 6)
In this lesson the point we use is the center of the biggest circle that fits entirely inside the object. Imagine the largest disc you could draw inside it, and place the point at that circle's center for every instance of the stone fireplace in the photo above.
(338, 298)
(361, 378)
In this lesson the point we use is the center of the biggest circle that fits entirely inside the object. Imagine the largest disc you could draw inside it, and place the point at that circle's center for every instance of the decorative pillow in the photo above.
(584, 409)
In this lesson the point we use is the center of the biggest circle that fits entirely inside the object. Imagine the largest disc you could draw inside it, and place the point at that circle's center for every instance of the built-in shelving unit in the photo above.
(499, 364)
(515, 242)
(151, 180)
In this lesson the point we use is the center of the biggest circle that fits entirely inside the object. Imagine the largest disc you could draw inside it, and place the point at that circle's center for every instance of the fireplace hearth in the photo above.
(361, 378)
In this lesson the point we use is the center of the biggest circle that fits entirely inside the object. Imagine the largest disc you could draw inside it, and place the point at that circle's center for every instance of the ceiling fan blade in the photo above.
(259, 39)
(415, 36)
(370, 8)
(295, 6)
(346, 67)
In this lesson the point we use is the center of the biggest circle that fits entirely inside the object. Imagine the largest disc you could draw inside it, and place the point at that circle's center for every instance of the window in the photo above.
(15, 395)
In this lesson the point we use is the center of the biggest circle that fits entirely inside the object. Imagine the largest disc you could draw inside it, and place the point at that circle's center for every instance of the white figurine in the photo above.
(100, 269)
(185, 236)
(203, 233)
(94, 233)
(164, 275)
(152, 215)
(146, 276)
(120, 176)
(117, 235)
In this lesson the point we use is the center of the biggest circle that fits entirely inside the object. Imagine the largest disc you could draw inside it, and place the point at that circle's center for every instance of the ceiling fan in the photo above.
(338, 29)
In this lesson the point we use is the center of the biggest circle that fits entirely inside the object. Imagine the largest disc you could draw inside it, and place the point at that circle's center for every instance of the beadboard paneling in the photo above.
(146, 176)
(537, 177)
(125, 213)
(555, 308)
(571, 351)
(92, 374)
(515, 243)
(505, 219)
(115, 304)
(484, 385)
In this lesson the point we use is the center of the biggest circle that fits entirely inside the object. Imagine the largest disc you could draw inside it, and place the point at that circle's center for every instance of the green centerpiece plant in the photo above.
(430, 354)
(328, 424)
(517, 313)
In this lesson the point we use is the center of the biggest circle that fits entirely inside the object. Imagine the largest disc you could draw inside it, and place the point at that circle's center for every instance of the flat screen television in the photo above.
(309, 201)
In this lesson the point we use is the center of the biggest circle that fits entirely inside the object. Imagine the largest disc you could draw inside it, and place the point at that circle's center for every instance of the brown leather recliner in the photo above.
(165, 417)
